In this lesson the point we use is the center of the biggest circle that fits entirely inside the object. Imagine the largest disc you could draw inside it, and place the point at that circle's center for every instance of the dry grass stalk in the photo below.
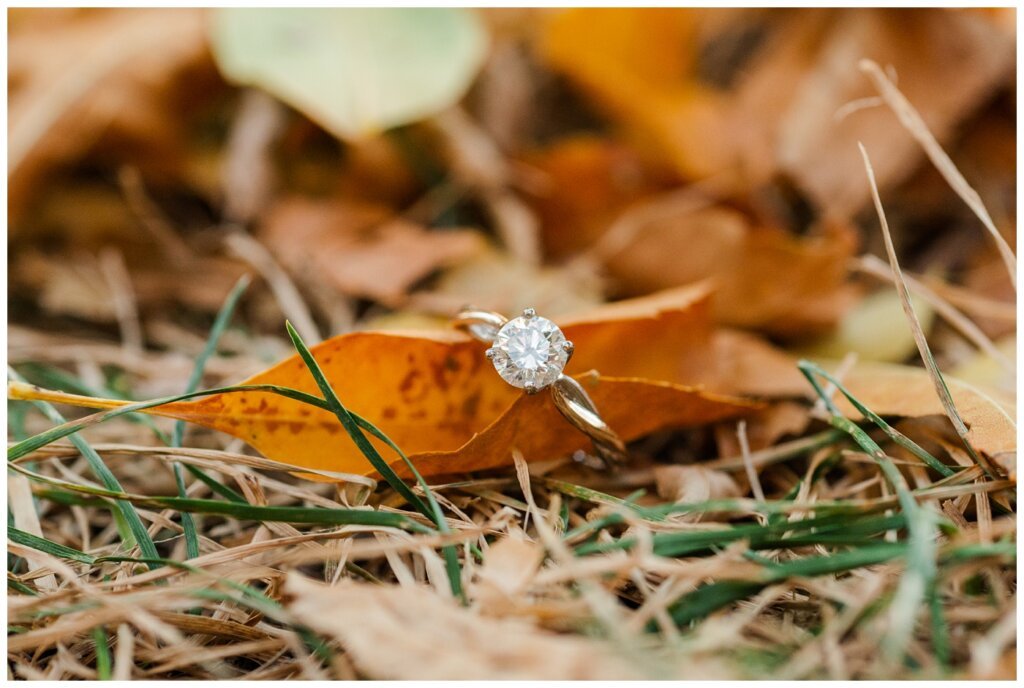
(915, 325)
(915, 125)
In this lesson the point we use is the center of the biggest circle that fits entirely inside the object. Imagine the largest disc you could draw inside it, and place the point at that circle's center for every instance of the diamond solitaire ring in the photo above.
(530, 352)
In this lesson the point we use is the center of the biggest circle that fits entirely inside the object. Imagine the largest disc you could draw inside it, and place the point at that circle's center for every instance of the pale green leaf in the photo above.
(353, 71)
(875, 329)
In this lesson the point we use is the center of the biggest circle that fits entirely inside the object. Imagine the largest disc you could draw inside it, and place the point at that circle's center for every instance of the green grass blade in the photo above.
(126, 510)
(188, 524)
(16, 413)
(940, 631)
(837, 562)
(220, 323)
(432, 510)
(450, 554)
(921, 524)
(709, 598)
(14, 584)
(289, 514)
(808, 368)
(104, 665)
(284, 514)
(839, 528)
(334, 406)
(49, 547)
(713, 596)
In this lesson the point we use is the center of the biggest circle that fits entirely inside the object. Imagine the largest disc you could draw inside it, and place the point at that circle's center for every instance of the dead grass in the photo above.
(713, 591)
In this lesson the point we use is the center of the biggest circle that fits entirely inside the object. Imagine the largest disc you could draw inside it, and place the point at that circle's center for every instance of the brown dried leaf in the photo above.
(509, 565)
(604, 200)
(764, 427)
(892, 390)
(497, 282)
(742, 363)
(946, 86)
(766, 277)
(108, 73)
(756, 94)
(361, 249)
(74, 286)
(409, 633)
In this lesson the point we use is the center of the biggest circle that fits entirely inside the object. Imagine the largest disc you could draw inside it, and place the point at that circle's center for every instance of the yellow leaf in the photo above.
(638, 65)
(438, 398)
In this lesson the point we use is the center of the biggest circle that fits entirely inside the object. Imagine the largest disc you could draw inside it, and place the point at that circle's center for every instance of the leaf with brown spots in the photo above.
(438, 398)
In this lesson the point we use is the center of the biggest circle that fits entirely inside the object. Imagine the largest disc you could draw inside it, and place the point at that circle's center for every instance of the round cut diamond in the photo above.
(529, 352)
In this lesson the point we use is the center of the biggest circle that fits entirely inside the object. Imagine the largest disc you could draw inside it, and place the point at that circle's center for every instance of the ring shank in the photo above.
(575, 404)
(479, 324)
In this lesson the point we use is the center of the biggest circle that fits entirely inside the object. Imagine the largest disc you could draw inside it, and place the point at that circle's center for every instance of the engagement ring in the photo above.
(530, 352)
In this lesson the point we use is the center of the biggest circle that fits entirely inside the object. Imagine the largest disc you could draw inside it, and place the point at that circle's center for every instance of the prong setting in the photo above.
(529, 352)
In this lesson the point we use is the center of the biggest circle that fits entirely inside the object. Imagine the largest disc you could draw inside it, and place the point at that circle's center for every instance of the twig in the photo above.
(123, 295)
(914, 124)
(748, 464)
(151, 217)
(915, 325)
(285, 291)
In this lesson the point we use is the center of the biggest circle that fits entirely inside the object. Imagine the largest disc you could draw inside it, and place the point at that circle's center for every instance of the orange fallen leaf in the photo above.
(894, 390)
(590, 180)
(637, 64)
(437, 397)
(632, 406)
